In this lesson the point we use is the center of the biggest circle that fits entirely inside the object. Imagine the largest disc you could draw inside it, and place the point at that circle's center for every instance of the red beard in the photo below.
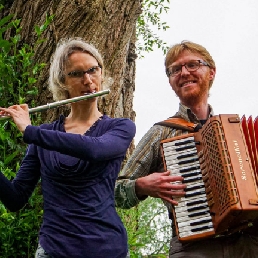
(192, 96)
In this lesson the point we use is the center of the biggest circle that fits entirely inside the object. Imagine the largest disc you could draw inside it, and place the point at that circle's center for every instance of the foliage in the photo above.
(18, 75)
(149, 19)
(148, 229)
(19, 231)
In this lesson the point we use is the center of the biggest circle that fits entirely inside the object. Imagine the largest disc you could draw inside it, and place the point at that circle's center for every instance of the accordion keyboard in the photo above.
(192, 213)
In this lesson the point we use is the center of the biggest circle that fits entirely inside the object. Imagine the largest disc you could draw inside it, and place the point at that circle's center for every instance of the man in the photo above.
(191, 71)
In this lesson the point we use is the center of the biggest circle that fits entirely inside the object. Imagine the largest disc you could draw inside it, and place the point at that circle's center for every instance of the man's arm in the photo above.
(140, 176)
(140, 163)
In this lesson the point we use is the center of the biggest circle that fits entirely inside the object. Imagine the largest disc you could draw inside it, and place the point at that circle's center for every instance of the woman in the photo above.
(77, 158)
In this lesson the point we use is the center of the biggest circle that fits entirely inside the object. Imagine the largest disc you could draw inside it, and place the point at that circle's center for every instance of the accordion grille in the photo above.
(216, 167)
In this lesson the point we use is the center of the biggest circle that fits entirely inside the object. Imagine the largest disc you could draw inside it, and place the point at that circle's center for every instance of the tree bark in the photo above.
(108, 25)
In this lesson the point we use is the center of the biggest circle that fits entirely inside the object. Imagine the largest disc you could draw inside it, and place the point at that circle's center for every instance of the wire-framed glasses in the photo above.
(92, 72)
(190, 66)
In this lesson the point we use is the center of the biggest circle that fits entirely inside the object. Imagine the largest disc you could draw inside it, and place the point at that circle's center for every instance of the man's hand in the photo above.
(160, 185)
(19, 114)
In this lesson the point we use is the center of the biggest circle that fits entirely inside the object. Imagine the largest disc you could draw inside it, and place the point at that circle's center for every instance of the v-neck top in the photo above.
(78, 174)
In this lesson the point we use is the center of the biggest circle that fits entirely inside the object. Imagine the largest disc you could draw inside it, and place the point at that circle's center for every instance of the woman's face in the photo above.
(83, 74)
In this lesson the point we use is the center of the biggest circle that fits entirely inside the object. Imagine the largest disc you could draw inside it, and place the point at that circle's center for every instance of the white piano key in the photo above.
(188, 232)
(198, 228)
(172, 153)
(179, 170)
(196, 220)
(175, 166)
(173, 143)
(186, 208)
(184, 216)
(182, 201)
(188, 160)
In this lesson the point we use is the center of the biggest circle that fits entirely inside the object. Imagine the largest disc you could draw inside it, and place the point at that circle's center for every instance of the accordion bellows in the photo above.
(219, 164)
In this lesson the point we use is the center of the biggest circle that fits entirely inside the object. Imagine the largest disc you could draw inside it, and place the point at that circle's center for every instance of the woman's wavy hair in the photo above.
(177, 49)
(65, 48)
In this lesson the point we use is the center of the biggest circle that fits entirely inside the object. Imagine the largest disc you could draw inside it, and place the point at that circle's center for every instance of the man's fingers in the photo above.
(170, 200)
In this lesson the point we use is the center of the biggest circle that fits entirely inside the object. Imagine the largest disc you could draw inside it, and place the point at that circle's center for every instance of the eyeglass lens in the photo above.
(191, 66)
(93, 71)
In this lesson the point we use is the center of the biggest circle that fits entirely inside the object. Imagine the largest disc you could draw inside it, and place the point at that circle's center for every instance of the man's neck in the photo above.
(201, 111)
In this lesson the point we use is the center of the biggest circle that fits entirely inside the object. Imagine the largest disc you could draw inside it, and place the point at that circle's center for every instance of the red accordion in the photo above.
(219, 164)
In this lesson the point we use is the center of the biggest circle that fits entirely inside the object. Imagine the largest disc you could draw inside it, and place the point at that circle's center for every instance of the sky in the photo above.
(228, 29)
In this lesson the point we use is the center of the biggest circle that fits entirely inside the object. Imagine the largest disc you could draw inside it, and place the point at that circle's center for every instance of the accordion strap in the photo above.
(180, 123)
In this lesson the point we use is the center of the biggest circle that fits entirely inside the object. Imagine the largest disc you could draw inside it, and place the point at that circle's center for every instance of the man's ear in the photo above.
(212, 73)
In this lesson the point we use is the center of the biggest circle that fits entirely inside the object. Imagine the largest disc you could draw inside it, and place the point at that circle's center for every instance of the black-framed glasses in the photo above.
(190, 66)
(93, 71)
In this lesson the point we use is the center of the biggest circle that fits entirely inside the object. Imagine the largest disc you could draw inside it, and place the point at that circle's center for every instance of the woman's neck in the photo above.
(81, 119)
(84, 112)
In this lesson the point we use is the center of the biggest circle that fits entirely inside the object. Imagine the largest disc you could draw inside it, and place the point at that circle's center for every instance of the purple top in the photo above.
(78, 174)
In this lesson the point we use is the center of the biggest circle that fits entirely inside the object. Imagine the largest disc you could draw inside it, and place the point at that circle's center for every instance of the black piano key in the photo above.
(196, 223)
(188, 155)
(196, 202)
(194, 187)
(189, 169)
(191, 174)
(194, 194)
(187, 161)
(201, 228)
(183, 142)
(189, 180)
(197, 208)
(184, 148)
(198, 214)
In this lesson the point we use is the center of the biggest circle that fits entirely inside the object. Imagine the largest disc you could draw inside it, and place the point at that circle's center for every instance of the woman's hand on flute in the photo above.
(19, 114)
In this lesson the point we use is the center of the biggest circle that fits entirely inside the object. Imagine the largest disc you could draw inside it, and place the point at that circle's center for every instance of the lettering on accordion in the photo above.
(219, 166)
(241, 163)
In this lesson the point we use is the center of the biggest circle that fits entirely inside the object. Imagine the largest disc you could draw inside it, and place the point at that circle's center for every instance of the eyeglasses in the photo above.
(94, 71)
(190, 66)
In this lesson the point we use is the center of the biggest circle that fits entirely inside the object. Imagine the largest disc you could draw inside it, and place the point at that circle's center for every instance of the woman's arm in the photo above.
(112, 144)
(16, 193)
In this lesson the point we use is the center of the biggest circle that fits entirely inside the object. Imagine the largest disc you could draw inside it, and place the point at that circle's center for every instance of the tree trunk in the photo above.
(108, 25)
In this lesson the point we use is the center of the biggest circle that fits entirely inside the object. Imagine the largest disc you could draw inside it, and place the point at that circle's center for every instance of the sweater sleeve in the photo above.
(112, 144)
(15, 194)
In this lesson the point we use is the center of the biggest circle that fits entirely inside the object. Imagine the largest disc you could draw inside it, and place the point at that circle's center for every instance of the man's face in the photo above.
(192, 87)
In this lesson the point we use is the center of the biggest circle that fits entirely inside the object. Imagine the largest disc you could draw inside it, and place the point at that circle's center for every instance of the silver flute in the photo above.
(62, 102)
